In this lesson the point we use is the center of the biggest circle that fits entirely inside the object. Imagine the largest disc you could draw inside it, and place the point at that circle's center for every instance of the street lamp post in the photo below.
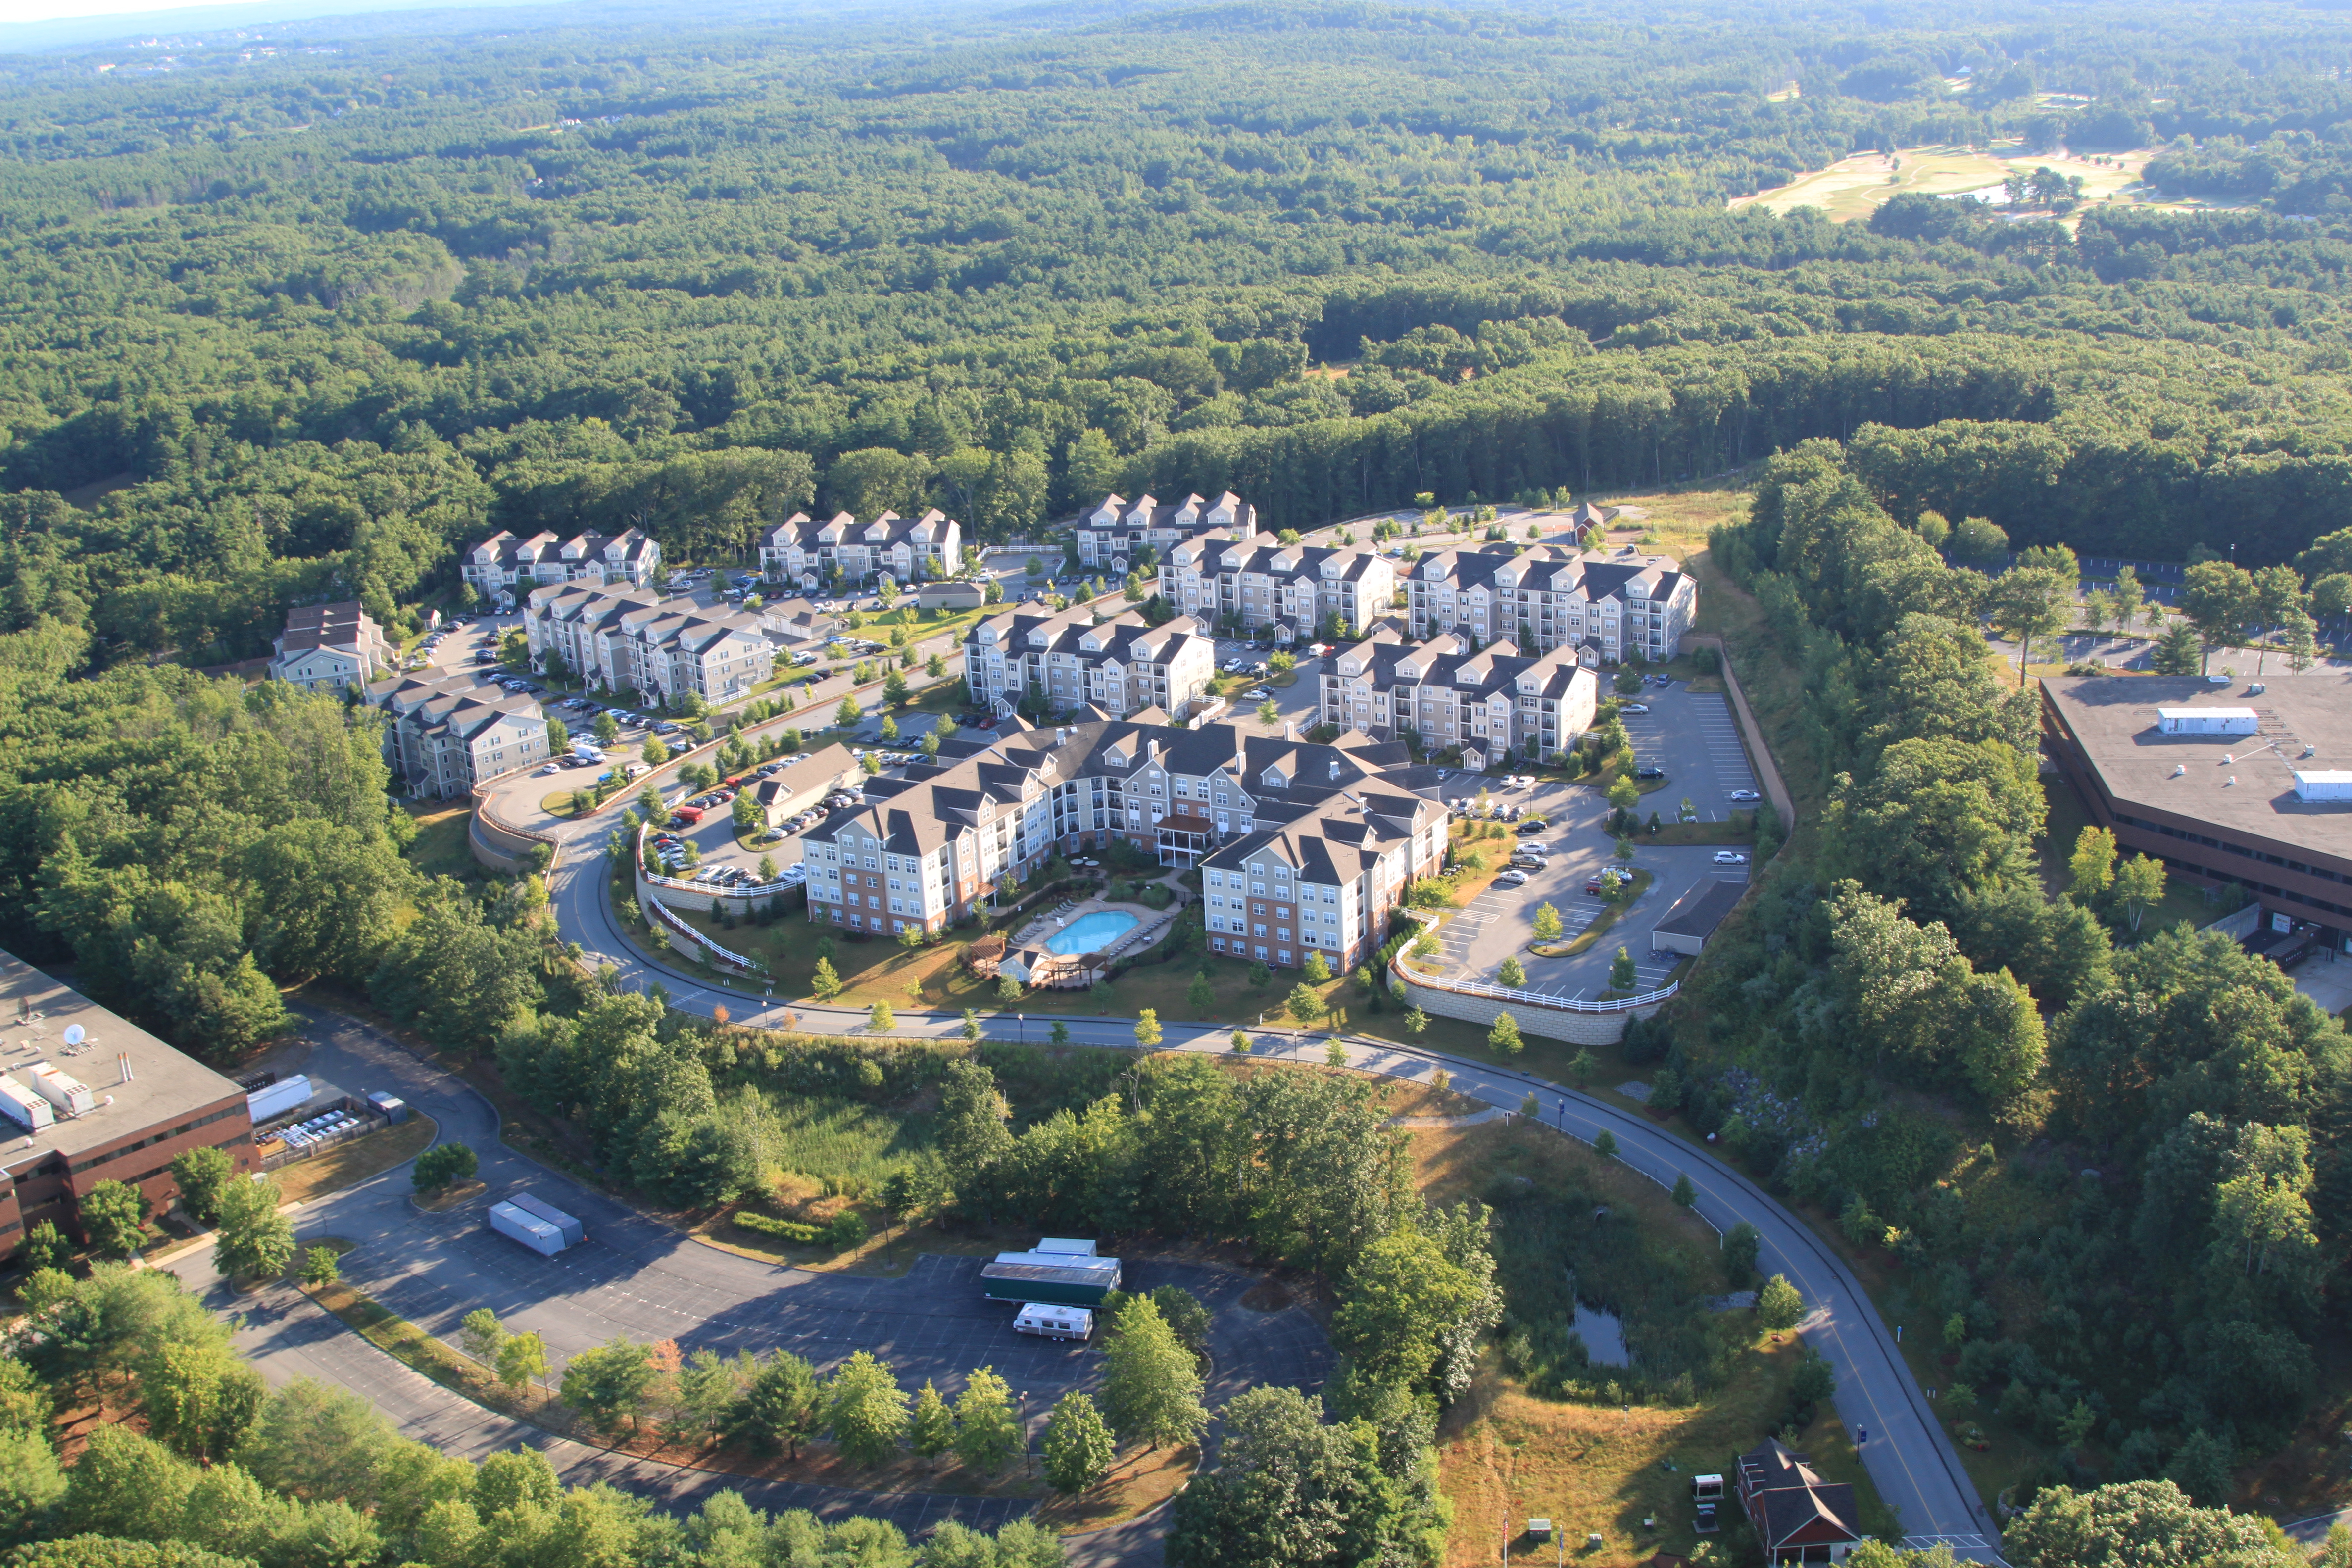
(1021, 1022)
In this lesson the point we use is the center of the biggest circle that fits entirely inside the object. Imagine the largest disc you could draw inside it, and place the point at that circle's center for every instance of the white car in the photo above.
(1730, 857)
(1745, 794)
(1633, 708)
(1513, 879)
(1535, 847)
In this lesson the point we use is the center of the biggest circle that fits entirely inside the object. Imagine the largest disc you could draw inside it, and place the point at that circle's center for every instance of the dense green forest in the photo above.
(287, 323)
(2140, 1261)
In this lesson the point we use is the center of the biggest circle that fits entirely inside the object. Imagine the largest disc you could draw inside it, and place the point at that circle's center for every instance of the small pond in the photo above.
(1089, 933)
(1603, 1336)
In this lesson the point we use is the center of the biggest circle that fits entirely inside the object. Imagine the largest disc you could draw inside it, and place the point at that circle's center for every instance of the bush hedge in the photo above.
(769, 1224)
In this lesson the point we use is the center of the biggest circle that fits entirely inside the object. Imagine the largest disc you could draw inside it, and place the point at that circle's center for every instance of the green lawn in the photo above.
(442, 848)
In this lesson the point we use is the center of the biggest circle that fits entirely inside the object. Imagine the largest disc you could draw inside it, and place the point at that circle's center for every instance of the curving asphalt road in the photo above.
(641, 1279)
(1907, 1451)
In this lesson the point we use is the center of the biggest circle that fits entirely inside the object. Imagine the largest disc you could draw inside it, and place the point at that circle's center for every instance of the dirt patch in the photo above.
(1268, 1296)
(1138, 1482)
(455, 1195)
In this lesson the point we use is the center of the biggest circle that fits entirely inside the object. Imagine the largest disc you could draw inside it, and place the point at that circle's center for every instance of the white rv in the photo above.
(1055, 1322)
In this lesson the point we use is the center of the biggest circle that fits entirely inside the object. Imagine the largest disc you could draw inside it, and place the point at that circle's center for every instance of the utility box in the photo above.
(571, 1230)
(2207, 720)
(1539, 1529)
(536, 1234)
(23, 1107)
(390, 1106)
(64, 1093)
(2323, 786)
(1706, 1495)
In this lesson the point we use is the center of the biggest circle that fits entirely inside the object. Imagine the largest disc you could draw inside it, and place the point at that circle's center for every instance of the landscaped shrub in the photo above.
(442, 1165)
(769, 1224)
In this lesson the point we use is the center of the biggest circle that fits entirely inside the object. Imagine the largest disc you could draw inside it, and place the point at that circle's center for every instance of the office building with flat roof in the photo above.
(2224, 783)
(86, 1097)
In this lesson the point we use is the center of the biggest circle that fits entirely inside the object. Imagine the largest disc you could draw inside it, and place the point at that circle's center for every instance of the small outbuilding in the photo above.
(1695, 916)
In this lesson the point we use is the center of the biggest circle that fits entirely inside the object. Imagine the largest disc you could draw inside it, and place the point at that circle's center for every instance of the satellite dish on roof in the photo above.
(73, 1034)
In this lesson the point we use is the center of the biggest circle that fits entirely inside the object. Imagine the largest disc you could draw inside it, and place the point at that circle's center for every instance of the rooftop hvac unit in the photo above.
(2323, 786)
(23, 1107)
(2207, 720)
(64, 1093)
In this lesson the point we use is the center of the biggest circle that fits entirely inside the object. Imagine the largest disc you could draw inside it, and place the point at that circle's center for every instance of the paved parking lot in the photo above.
(1693, 736)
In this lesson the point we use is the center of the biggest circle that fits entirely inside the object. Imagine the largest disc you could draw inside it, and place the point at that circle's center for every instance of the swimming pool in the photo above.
(1088, 933)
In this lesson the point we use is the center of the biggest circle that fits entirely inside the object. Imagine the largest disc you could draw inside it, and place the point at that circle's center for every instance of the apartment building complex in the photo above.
(632, 639)
(1249, 586)
(806, 553)
(1123, 666)
(326, 648)
(505, 566)
(1116, 534)
(97, 1099)
(446, 733)
(1308, 850)
(1612, 604)
(1490, 702)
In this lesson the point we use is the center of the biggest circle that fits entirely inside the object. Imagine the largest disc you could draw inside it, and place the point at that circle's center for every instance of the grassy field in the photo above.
(440, 849)
(1506, 1454)
(347, 1165)
(1855, 187)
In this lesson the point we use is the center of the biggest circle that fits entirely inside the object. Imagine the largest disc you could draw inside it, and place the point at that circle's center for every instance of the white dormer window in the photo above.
(1115, 759)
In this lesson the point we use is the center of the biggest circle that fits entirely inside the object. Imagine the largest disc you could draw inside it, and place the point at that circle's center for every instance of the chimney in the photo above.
(1335, 770)
(1289, 730)
(122, 1067)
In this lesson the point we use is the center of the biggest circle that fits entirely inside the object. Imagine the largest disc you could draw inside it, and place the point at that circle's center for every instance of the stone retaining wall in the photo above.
(1546, 1023)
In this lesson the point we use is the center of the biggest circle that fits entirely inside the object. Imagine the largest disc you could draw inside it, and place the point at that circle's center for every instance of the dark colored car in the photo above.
(1649, 773)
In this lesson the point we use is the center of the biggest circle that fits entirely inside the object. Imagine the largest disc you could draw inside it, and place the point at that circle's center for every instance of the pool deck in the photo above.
(1072, 971)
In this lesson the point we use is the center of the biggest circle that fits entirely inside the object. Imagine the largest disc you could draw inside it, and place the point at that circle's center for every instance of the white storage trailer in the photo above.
(64, 1093)
(2208, 720)
(23, 1107)
(2323, 786)
(530, 1229)
(573, 1231)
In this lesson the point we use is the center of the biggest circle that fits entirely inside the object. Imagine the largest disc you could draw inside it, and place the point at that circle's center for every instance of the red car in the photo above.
(1593, 887)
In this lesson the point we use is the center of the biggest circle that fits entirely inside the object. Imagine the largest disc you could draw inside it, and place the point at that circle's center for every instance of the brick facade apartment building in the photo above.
(1282, 827)
(2224, 783)
(114, 1104)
